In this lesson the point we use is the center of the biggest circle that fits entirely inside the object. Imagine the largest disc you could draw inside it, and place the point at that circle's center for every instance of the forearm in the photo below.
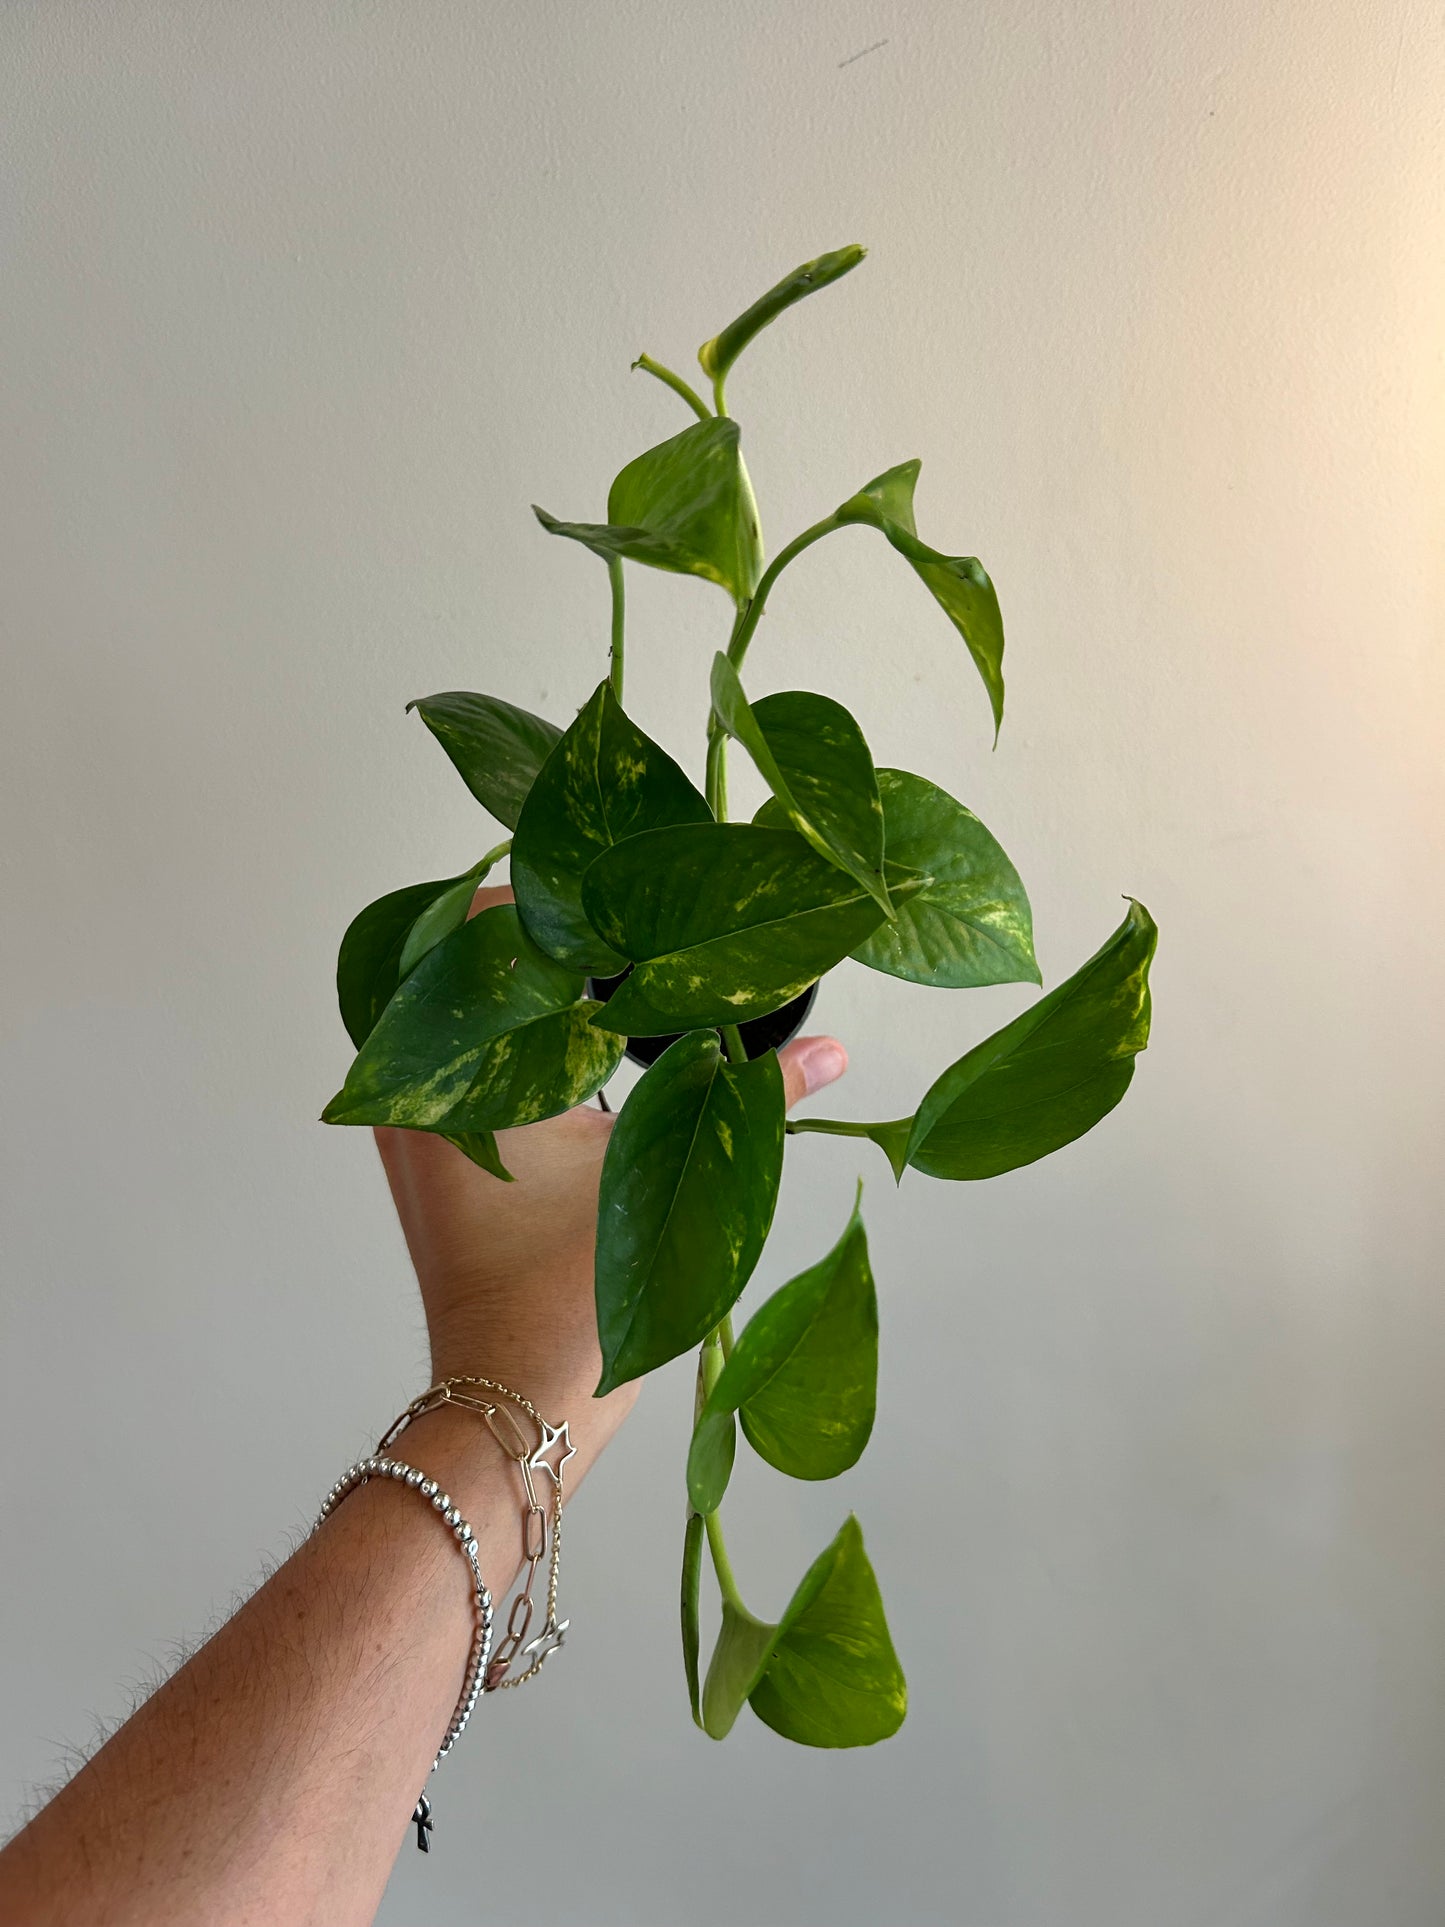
(272, 1778)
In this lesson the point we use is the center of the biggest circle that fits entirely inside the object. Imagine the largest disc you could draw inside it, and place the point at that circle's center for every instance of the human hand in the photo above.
(506, 1269)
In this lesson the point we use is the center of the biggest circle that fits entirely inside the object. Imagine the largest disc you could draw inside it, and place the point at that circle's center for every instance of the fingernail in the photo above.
(821, 1060)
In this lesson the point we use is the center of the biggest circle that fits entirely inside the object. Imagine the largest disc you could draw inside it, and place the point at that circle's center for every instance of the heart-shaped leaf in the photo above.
(812, 756)
(603, 781)
(1050, 1075)
(826, 1674)
(368, 967)
(495, 747)
(686, 506)
(724, 922)
(959, 584)
(803, 1376)
(689, 1182)
(719, 354)
(487, 1032)
(691, 1591)
(970, 922)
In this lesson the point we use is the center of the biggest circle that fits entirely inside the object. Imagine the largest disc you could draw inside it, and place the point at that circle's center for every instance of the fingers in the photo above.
(808, 1064)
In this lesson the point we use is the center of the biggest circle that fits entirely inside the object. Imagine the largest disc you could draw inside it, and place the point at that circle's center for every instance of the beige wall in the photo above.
(303, 304)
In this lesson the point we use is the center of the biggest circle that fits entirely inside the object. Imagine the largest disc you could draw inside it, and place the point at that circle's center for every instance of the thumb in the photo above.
(810, 1063)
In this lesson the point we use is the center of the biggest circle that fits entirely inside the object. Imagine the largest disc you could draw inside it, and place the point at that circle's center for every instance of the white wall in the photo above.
(304, 304)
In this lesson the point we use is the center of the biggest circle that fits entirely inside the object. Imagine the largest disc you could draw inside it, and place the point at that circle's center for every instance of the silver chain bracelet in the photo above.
(440, 1502)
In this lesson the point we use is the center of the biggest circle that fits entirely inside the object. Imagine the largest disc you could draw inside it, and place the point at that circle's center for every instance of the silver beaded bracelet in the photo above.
(441, 1503)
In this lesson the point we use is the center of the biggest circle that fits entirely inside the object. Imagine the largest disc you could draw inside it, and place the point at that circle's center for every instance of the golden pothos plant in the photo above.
(646, 921)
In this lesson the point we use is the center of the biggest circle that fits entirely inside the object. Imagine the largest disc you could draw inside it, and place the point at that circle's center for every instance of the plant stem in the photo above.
(836, 1127)
(733, 1044)
(717, 395)
(721, 1564)
(614, 576)
(717, 770)
(492, 857)
(716, 1349)
(747, 621)
(676, 383)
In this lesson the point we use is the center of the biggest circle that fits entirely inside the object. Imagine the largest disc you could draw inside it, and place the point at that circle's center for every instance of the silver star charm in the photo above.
(553, 1435)
(550, 1640)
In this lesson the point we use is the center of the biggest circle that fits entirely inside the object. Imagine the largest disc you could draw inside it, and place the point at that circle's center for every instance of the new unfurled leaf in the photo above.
(1050, 1075)
(802, 1378)
(604, 781)
(495, 747)
(827, 1673)
(969, 923)
(689, 1182)
(959, 584)
(686, 506)
(719, 354)
(486, 1032)
(812, 756)
(724, 922)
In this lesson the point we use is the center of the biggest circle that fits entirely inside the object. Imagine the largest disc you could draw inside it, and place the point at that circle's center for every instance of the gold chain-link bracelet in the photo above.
(550, 1454)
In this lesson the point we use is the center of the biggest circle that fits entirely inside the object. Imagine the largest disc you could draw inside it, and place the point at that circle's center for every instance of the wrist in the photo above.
(560, 1385)
(558, 1376)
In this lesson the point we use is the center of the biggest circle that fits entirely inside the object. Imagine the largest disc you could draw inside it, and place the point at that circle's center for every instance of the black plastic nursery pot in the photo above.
(759, 1034)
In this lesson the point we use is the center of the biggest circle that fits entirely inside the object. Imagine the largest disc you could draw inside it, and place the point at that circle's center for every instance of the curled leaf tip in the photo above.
(719, 354)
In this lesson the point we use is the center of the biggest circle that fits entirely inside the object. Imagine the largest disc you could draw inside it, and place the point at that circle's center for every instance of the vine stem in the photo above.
(676, 383)
(614, 576)
(494, 855)
(717, 1346)
(748, 618)
(716, 1350)
(721, 1564)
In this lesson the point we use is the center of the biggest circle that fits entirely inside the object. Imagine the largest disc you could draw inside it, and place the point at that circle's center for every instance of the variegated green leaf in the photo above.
(826, 1674)
(723, 921)
(812, 756)
(969, 923)
(959, 584)
(487, 1032)
(689, 1182)
(495, 747)
(604, 781)
(1050, 1075)
(686, 506)
(368, 968)
(802, 1378)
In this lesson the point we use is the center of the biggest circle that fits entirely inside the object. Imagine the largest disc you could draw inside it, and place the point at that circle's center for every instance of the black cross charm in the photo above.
(421, 1820)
